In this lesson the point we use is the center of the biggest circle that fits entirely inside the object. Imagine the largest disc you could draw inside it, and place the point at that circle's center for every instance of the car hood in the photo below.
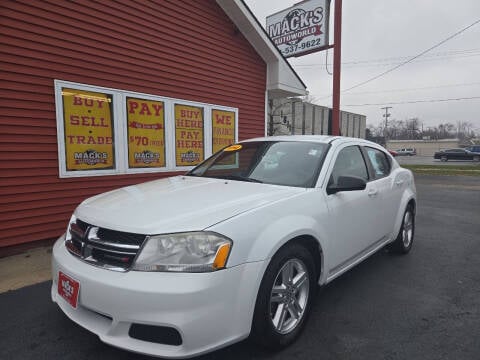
(176, 204)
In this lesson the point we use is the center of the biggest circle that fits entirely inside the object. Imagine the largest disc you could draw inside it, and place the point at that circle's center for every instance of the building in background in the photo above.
(99, 95)
(293, 116)
(424, 147)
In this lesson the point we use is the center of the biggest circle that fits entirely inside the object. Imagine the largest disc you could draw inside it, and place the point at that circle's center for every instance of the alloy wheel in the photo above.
(289, 296)
(407, 231)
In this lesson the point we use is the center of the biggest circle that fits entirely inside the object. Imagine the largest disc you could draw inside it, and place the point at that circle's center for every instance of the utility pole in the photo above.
(414, 129)
(337, 56)
(386, 115)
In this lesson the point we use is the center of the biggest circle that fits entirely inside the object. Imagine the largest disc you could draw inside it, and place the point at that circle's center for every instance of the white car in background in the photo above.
(406, 152)
(181, 266)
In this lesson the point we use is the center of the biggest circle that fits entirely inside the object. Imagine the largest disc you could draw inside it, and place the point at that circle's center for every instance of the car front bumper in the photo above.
(209, 310)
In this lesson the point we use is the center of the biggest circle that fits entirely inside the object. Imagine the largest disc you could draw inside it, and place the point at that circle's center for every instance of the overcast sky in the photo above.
(379, 34)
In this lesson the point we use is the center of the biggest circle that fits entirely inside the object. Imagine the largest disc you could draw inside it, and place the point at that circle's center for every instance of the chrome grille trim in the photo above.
(116, 252)
(111, 244)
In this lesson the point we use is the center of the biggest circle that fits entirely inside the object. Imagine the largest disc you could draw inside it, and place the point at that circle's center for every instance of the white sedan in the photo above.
(181, 266)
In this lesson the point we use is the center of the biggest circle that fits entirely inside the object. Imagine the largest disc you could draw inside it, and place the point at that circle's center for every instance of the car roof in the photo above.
(325, 139)
(312, 138)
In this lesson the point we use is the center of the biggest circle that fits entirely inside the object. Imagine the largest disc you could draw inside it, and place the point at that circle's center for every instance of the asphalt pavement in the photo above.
(425, 305)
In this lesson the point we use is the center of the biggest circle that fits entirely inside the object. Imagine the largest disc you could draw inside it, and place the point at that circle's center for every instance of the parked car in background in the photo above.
(473, 149)
(456, 154)
(393, 153)
(180, 266)
(406, 152)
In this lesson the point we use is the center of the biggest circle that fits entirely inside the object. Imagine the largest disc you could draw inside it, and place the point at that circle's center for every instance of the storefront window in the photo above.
(223, 129)
(189, 147)
(104, 131)
(146, 133)
(88, 128)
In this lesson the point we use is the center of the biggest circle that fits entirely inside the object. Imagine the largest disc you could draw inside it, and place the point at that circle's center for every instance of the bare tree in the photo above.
(279, 112)
(465, 130)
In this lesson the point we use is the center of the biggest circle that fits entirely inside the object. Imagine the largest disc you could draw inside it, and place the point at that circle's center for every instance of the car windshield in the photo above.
(289, 163)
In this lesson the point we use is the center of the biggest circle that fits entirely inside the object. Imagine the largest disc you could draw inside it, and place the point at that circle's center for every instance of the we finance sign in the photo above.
(300, 29)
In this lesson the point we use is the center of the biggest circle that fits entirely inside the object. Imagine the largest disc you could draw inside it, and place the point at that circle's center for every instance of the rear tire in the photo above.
(284, 298)
(404, 241)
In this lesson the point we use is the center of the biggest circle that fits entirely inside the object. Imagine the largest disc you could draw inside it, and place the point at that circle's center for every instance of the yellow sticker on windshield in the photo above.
(233, 147)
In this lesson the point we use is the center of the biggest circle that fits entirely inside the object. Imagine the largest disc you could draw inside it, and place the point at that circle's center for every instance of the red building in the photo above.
(98, 95)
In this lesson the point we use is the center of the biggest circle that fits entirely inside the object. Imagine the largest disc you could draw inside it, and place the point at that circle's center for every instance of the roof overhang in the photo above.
(282, 80)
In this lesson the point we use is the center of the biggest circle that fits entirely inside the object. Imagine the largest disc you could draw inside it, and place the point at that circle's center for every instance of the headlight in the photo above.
(184, 252)
(68, 234)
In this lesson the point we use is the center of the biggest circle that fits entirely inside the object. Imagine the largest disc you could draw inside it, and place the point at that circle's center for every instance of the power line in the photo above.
(321, 96)
(416, 101)
(377, 64)
(326, 63)
(412, 58)
(446, 54)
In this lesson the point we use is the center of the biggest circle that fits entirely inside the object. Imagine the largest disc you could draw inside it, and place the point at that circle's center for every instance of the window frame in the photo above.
(371, 168)
(335, 158)
(120, 130)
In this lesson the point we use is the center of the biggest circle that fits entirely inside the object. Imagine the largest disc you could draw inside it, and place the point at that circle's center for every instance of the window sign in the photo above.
(88, 130)
(146, 133)
(103, 131)
(189, 147)
(223, 129)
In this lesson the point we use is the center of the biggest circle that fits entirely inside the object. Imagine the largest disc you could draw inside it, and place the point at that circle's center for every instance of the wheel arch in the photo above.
(413, 203)
(314, 247)
(408, 201)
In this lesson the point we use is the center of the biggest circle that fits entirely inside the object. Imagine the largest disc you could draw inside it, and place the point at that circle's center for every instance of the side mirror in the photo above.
(347, 183)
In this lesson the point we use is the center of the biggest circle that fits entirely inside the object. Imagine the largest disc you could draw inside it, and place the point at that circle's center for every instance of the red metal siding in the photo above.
(185, 49)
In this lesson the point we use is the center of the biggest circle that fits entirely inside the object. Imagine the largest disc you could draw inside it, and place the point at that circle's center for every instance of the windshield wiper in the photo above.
(240, 178)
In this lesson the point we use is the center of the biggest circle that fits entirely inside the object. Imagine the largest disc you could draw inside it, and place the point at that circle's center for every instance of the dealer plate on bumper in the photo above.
(68, 289)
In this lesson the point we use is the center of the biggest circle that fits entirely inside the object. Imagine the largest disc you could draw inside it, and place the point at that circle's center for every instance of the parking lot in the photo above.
(425, 305)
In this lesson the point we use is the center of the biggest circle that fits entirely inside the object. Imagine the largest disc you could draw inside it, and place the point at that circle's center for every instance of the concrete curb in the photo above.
(31, 267)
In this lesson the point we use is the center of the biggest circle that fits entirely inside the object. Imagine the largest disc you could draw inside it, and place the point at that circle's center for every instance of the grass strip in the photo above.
(452, 170)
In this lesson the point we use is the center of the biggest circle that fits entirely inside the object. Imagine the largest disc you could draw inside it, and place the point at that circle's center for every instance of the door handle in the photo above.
(399, 182)
(372, 192)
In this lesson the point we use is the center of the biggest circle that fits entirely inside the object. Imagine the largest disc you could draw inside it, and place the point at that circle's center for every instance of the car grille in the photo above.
(106, 248)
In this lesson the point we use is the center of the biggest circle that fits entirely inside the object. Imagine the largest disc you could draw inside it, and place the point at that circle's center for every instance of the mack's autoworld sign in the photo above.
(300, 29)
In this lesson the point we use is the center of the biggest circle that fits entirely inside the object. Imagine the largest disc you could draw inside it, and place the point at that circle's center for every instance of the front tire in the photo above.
(404, 241)
(444, 158)
(284, 298)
